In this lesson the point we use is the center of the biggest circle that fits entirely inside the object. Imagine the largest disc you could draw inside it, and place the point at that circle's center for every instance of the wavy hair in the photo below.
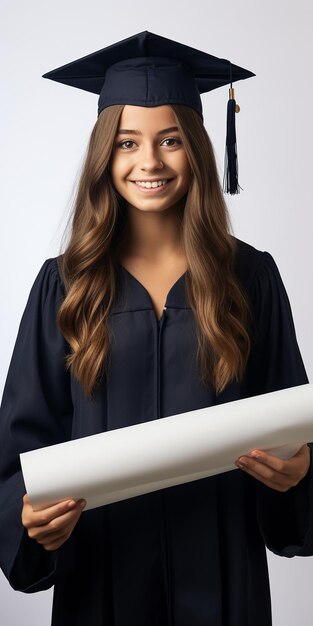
(88, 264)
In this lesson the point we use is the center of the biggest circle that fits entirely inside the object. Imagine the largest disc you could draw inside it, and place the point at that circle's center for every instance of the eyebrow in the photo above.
(125, 131)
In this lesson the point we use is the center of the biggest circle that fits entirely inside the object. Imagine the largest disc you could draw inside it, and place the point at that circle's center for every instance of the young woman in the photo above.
(153, 309)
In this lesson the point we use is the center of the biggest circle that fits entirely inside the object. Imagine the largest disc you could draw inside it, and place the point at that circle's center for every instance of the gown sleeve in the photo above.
(285, 518)
(36, 411)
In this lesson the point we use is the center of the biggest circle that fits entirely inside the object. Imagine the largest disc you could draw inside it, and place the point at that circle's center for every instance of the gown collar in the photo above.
(133, 296)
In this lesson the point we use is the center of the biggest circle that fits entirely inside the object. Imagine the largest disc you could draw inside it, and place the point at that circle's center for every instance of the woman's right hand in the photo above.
(52, 526)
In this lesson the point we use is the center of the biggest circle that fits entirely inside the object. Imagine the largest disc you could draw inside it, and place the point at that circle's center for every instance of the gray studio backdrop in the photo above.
(45, 127)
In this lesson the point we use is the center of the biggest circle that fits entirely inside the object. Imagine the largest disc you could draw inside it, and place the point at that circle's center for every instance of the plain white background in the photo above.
(45, 127)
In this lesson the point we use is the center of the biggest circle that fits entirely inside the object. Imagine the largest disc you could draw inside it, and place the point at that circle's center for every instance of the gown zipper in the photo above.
(160, 323)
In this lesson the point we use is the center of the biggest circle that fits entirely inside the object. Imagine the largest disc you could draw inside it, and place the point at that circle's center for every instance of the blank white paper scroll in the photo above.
(131, 461)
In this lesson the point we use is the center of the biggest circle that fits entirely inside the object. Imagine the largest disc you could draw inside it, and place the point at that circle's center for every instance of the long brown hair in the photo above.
(87, 265)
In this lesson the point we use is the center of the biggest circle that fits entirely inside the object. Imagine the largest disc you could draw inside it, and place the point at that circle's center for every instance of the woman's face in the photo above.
(148, 148)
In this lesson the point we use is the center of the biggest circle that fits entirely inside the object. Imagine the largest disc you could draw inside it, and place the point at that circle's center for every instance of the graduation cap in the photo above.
(149, 70)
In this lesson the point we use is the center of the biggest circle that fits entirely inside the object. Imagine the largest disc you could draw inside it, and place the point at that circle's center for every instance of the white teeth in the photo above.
(149, 185)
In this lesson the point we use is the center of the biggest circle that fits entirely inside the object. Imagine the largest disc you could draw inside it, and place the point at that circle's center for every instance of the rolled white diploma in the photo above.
(131, 461)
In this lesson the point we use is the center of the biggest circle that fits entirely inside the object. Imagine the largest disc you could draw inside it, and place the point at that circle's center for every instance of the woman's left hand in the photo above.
(275, 472)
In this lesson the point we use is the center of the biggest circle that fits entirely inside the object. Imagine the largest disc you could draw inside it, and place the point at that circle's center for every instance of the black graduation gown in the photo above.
(190, 555)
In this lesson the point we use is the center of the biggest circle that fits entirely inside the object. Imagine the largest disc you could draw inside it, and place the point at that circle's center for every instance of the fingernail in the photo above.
(82, 503)
(242, 463)
(255, 454)
(71, 503)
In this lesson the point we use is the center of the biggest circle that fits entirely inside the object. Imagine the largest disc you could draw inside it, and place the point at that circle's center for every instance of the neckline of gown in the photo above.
(175, 296)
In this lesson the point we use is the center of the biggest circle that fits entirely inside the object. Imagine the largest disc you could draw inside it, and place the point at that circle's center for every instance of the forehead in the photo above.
(138, 117)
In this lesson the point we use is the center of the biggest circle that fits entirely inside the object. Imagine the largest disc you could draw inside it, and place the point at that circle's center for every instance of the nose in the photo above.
(150, 158)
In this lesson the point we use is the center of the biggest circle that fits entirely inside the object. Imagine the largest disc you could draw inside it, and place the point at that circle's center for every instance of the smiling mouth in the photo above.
(152, 190)
(168, 180)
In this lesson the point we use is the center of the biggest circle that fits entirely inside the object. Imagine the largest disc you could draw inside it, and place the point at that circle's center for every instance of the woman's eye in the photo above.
(121, 145)
(173, 139)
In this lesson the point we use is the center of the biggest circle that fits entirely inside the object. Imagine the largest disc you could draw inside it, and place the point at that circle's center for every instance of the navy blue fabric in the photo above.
(148, 70)
(188, 555)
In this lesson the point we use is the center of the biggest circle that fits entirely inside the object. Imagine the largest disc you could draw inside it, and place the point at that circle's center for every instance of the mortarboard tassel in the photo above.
(230, 183)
